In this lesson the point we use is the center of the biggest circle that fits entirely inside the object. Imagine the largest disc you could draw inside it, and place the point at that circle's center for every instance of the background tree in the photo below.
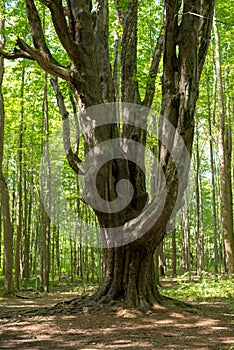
(225, 150)
(5, 207)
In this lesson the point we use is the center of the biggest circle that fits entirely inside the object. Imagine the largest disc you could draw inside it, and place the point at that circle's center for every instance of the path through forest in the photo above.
(205, 326)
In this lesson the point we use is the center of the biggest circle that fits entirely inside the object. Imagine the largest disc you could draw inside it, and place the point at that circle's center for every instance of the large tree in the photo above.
(82, 27)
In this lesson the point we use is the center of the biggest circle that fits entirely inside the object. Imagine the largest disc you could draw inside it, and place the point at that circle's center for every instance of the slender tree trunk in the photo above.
(213, 188)
(57, 253)
(225, 166)
(72, 254)
(5, 202)
(187, 240)
(47, 189)
(202, 236)
(41, 242)
(1, 240)
(53, 255)
(182, 245)
(27, 225)
(174, 258)
(20, 189)
(198, 214)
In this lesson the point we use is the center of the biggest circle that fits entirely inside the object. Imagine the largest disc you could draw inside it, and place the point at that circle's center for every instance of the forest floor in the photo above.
(204, 325)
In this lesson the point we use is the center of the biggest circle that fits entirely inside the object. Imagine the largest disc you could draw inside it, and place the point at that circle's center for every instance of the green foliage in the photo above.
(150, 21)
(206, 288)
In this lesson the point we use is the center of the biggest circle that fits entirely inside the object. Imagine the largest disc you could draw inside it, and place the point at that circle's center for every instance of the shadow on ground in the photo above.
(206, 326)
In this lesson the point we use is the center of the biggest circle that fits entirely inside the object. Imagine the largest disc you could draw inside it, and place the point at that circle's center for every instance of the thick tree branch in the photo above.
(77, 127)
(36, 29)
(170, 59)
(150, 87)
(62, 29)
(72, 157)
(130, 90)
(15, 54)
(49, 64)
(45, 59)
(41, 53)
(102, 42)
(206, 21)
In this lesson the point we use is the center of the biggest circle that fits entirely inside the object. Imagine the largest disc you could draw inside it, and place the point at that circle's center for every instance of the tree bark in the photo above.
(186, 238)
(198, 210)
(47, 188)
(19, 187)
(225, 166)
(5, 204)
(130, 274)
(27, 226)
(174, 258)
(213, 188)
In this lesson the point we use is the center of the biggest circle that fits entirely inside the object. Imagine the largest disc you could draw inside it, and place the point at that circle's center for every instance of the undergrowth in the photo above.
(204, 288)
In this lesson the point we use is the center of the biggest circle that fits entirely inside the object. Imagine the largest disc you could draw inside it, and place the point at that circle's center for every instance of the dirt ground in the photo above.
(205, 326)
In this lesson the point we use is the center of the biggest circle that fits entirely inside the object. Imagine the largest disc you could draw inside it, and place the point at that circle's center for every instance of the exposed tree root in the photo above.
(89, 304)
